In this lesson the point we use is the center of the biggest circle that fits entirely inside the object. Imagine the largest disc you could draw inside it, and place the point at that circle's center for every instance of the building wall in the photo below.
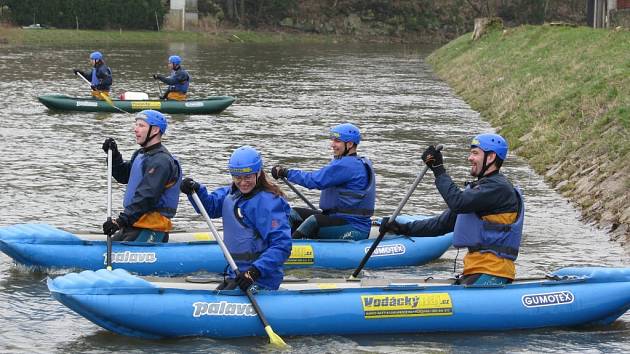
(187, 9)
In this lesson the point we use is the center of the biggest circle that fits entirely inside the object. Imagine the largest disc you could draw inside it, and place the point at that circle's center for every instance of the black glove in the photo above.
(110, 226)
(433, 158)
(189, 186)
(279, 172)
(110, 144)
(76, 71)
(155, 77)
(386, 226)
(245, 279)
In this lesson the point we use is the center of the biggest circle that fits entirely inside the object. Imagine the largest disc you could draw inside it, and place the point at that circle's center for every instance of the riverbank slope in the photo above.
(561, 96)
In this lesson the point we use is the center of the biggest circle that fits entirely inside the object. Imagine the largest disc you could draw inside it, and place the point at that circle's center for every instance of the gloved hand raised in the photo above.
(189, 186)
(433, 158)
(245, 279)
(386, 226)
(278, 172)
(110, 144)
(76, 71)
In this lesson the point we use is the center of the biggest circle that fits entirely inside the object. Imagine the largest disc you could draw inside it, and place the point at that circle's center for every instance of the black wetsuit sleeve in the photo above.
(435, 226)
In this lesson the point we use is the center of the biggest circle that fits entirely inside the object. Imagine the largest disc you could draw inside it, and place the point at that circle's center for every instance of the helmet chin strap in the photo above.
(485, 165)
(148, 138)
(345, 149)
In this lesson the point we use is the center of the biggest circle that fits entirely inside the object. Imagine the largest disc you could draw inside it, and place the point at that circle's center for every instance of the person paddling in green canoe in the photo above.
(100, 77)
(178, 81)
(153, 177)
(486, 217)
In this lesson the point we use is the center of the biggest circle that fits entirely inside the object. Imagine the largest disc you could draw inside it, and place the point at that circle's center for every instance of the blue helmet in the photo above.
(175, 59)
(346, 132)
(491, 142)
(245, 161)
(154, 118)
(96, 56)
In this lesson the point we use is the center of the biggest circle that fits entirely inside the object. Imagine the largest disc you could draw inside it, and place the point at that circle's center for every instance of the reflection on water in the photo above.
(288, 97)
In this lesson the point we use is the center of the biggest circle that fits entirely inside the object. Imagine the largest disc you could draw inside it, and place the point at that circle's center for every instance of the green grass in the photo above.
(19, 36)
(555, 92)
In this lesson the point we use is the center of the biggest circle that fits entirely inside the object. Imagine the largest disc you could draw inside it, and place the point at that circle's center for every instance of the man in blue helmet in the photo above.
(177, 82)
(100, 77)
(255, 216)
(348, 186)
(486, 217)
(153, 177)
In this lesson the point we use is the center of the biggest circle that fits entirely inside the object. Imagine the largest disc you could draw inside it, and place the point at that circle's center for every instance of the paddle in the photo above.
(273, 337)
(109, 207)
(285, 180)
(101, 95)
(393, 217)
(159, 89)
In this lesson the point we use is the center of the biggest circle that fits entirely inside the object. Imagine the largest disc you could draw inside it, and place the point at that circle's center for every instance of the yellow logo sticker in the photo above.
(406, 305)
(301, 255)
(203, 236)
(146, 104)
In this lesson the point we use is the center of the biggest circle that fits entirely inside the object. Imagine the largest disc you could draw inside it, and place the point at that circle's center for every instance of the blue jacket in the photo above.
(257, 224)
(343, 175)
(478, 235)
(149, 191)
(100, 76)
(178, 81)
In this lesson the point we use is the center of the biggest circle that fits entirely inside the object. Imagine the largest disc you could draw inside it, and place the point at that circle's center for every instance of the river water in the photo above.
(53, 171)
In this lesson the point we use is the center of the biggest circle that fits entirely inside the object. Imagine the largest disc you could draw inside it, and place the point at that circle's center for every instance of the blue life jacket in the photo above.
(167, 205)
(179, 86)
(342, 200)
(481, 236)
(243, 242)
(106, 83)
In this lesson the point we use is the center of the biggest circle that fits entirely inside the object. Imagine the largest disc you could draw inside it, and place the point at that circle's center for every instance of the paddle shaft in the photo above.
(159, 88)
(109, 207)
(272, 336)
(310, 205)
(104, 97)
(393, 217)
(215, 233)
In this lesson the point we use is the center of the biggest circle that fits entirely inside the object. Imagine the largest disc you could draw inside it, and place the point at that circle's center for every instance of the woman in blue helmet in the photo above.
(152, 176)
(100, 76)
(348, 186)
(486, 217)
(177, 81)
(255, 216)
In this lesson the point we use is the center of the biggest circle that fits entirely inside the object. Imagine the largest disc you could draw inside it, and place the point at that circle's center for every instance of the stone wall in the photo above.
(620, 18)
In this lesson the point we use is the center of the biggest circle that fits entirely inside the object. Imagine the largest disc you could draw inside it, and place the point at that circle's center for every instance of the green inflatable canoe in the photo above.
(213, 104)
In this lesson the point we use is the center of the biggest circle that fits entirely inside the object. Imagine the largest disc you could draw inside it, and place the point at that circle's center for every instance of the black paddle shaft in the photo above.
(310, 205)
(392, 218)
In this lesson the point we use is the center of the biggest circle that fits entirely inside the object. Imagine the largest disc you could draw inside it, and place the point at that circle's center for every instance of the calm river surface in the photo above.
(53, 171)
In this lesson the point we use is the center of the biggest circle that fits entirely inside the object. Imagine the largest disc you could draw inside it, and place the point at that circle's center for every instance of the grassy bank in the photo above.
(561, 96)
(19, 36)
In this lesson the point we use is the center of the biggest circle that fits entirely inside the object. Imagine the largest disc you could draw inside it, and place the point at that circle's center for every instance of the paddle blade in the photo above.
(106, 98)
(275, 339)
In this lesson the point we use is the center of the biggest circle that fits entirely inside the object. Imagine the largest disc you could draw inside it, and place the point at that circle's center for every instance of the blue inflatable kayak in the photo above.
(45, 247)
(131, 306)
